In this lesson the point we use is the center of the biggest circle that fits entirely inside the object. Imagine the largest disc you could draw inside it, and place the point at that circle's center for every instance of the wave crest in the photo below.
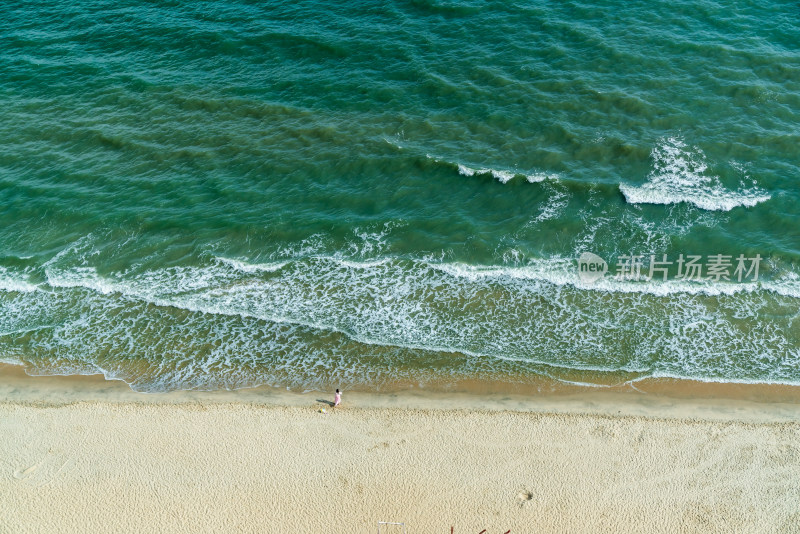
(679, 175)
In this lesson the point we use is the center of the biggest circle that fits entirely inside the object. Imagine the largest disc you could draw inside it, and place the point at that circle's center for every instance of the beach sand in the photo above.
(80, 454)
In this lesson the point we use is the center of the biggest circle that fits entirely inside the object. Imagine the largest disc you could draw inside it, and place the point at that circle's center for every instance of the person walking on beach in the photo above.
(337, 399)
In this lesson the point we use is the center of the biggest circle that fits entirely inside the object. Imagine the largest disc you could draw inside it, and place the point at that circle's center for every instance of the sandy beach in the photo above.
(78, 454)
(548, 251)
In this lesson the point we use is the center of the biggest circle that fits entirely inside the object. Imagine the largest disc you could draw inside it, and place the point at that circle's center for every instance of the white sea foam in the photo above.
(241, 265)
(680, 175)
(9, 360)
(505, 176)
(14, 282)
(86, 277)
(406, 304)
(359, 264)
(562, 272)
(370, 242)
(538, 177)
(502, 176)
(559, 199)
(243, 320)
(160, 284)
(307, 247)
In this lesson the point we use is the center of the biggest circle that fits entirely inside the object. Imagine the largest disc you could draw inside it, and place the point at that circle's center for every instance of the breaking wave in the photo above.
(308, 321)
(681, 175)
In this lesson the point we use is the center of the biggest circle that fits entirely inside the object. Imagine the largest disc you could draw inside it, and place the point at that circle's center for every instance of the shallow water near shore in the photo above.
(219, 195)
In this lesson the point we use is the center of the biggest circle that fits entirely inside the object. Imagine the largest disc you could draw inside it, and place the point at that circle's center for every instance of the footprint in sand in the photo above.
(524, 496)
(43, 472)
(22, 475)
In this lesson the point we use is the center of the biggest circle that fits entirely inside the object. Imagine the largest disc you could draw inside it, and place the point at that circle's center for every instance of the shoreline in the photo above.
(82, 454)
(655, 398)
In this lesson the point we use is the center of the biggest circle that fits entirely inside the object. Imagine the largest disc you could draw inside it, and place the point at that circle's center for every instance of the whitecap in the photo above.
(680, 175)
(502, 176)
(12, 282)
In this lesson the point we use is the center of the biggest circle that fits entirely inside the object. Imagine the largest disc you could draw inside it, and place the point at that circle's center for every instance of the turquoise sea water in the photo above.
(220, 194)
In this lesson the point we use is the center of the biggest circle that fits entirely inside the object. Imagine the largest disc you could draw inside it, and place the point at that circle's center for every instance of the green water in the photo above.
(223, 194)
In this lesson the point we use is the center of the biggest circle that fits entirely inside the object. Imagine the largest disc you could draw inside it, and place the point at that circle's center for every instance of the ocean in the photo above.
(376, 195)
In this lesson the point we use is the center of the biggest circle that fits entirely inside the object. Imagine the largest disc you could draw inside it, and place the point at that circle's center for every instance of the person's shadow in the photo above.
(323, 401)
